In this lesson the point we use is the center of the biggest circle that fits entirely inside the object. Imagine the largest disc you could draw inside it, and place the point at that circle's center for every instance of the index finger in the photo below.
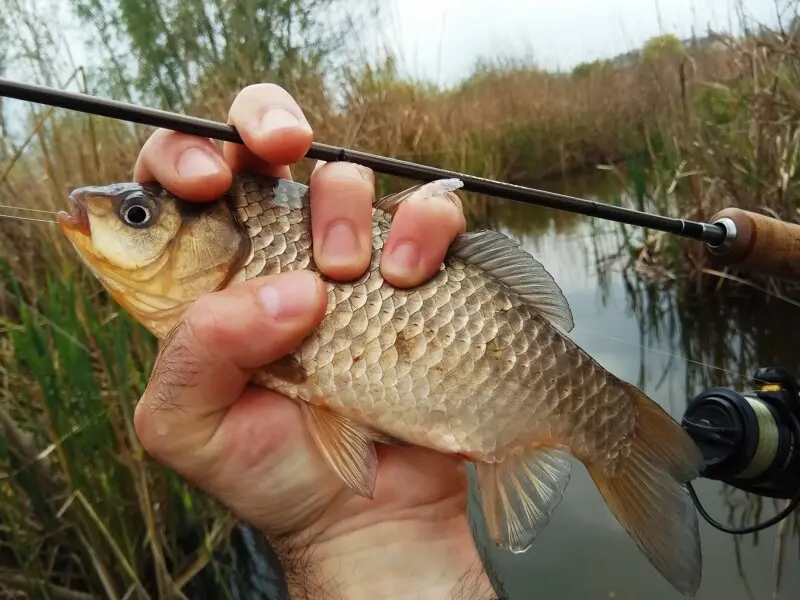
(190, 167)
(274, 130)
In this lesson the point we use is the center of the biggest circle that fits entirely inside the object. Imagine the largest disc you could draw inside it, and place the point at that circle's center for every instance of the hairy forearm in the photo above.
(398, 560)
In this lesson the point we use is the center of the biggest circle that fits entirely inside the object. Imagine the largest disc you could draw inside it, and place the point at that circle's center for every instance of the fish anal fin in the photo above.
(504, 259)
(520, 494)
(347, 447)
(439, 187)
(646, 493)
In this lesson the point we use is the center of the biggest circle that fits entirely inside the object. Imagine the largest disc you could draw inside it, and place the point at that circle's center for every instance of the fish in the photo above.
(475, 362)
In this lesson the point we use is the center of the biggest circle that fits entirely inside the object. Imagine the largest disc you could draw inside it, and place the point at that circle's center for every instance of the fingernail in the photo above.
(280, 118)
(404, 258)
(196, 162)
(290, 295)
(340, 243)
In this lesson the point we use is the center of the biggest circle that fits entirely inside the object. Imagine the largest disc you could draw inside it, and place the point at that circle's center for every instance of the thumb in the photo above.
(205, 363)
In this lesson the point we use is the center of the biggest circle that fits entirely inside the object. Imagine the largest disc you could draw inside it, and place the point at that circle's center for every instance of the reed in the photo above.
(83, 512)
(734, 141)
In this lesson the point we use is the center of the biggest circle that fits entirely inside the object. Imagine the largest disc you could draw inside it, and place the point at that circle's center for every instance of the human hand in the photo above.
(248, 446)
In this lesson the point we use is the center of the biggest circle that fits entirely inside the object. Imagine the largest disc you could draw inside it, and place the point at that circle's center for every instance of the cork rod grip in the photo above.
(762, 244)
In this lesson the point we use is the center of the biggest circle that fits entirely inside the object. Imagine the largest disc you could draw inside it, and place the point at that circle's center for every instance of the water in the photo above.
(583, 553)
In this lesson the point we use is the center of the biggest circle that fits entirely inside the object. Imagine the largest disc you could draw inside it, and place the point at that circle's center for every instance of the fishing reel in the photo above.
(750, 440)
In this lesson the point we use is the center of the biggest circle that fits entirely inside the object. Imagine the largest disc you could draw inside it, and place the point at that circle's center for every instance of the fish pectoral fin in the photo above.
(347, 447)
(520, 495)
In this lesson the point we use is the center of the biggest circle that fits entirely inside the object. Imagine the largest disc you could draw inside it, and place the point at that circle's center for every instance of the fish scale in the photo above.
(433, 357)
(475, 362)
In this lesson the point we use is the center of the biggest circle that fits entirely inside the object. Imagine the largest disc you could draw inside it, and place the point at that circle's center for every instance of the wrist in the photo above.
(397, 558)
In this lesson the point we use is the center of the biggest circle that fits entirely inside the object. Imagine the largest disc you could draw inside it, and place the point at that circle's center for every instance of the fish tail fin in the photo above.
(519, 495)
(645, 490)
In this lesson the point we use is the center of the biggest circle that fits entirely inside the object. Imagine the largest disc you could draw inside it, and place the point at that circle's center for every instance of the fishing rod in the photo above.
(733, 237)
(748, 440)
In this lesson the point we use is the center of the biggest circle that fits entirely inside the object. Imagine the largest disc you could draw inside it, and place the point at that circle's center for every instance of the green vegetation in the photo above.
(689, 127)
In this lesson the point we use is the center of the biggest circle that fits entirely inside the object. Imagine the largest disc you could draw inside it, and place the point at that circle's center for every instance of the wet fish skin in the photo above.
(471, 363)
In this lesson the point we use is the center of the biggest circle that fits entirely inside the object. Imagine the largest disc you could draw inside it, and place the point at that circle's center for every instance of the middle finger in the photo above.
(341, 218)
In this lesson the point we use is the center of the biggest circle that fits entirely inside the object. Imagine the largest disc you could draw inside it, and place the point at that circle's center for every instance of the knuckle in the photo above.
(202, 323)
(146, 426)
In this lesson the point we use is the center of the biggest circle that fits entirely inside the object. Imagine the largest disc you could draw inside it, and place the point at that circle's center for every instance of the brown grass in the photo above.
(727, 114)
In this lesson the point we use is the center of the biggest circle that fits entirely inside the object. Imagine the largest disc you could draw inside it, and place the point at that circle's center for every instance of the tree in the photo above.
(169, 50)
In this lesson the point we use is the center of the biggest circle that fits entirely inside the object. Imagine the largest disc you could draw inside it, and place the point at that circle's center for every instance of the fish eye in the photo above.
(137, 211)
(136, 215)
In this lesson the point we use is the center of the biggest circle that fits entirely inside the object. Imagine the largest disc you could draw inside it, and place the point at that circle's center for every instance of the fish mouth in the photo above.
(77, 219)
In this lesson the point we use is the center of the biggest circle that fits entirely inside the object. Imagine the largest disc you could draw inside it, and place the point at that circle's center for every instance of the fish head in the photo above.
(153, 251)
(122, 227)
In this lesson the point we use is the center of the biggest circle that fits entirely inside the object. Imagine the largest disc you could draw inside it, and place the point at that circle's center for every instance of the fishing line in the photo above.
(2, 216)
(27, 219)
(678, 356)
(39, 210)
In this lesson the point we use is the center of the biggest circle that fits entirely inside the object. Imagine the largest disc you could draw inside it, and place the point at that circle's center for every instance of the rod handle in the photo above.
(758, 243)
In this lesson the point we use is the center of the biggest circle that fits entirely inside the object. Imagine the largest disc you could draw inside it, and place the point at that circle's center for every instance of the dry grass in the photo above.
(734, 142)
(74, 484)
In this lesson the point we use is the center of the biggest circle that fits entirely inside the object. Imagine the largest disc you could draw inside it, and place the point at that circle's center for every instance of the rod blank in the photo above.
(712, 234)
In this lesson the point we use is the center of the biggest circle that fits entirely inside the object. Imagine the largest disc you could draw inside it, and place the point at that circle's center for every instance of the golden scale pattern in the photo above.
(459, 364)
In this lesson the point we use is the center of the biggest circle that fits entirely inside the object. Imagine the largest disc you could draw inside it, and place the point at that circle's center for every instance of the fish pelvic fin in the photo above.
(347, 447)
(520, 494)
(645, 490)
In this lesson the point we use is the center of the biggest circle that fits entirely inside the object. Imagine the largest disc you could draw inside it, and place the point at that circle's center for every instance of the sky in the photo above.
(440, 40)
(557, 33)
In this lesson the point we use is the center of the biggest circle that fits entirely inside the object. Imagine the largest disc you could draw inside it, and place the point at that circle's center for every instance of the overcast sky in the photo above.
(558, 33)
(441, 39)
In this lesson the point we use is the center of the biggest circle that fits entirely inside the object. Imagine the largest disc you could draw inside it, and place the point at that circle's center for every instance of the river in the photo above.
(645, 336)
(670, 349)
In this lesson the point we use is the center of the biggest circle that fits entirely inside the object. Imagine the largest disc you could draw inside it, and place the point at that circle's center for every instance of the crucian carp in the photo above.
(475, 362)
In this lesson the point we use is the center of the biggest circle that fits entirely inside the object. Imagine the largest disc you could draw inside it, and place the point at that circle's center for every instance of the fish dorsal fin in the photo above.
(520, 494)
(503, 258)
(438, 187)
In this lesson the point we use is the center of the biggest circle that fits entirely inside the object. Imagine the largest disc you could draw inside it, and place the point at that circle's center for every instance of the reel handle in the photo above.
(758, 243)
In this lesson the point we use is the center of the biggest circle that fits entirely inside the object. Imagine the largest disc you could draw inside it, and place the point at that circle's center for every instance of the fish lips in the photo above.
(78, 217)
